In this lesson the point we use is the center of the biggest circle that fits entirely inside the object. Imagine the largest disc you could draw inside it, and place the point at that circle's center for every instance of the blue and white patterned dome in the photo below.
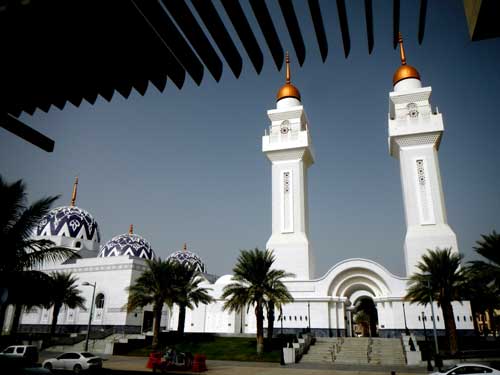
(188, 258)
(127, 244)
(69, 221)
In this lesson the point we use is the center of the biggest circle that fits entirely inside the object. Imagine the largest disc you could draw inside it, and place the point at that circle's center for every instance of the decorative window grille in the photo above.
(286, 181)
(287, 202)
(424, 194)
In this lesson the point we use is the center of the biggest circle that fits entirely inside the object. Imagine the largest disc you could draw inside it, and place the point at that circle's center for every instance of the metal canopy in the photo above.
(55, 51)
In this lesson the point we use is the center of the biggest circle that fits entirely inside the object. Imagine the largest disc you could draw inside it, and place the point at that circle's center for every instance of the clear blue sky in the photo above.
(186, 166)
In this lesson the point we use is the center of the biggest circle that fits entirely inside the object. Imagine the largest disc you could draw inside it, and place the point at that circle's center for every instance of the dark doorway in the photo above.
(147, 321)
(365, 318)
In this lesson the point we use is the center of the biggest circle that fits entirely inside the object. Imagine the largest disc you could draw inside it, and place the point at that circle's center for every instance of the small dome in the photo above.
(69, 221)
(404, 72)
(188, 258)
(288, 90)
(226, 279)
(127, 244)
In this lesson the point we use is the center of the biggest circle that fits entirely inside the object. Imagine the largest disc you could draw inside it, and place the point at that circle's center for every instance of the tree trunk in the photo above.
(270, 322)
(15, 320)
(55, 314)
(451, 328)
(474, 319)
(182, 320)
(492, 322)
(157, 309)
(3, 309)
(260, 328)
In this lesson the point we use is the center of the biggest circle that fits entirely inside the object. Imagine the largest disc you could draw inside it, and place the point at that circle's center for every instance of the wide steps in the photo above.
(320, 352)
(357, 351)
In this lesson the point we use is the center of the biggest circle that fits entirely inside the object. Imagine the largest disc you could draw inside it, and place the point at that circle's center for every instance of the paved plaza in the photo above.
(138, 364)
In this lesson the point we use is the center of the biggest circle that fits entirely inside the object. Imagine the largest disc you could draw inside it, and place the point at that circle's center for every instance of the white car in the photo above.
(75, 361)
(468, 369)
(28, 352)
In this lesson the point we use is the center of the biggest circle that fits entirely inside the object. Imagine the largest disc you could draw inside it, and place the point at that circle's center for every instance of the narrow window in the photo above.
(99, 301)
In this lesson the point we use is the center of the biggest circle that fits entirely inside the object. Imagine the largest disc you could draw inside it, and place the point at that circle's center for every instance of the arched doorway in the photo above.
(365, 318)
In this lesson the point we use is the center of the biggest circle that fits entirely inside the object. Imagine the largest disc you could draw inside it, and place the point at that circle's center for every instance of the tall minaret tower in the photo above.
(287, 144)
(415, 133)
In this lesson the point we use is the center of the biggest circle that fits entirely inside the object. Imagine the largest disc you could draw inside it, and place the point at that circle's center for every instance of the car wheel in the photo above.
(77, 369)
(48, 366)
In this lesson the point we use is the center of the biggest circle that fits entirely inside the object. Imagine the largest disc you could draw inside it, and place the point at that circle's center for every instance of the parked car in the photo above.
(468, 369)
(28, 352)
(75, 361)
(12, 365)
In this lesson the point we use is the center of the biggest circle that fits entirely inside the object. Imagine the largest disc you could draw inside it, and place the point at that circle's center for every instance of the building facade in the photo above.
(324, 304)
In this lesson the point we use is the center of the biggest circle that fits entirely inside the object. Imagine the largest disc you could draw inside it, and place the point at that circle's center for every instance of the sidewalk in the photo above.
(127, 363)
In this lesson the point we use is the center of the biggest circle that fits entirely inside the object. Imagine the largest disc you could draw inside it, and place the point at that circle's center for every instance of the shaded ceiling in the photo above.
(73, 50)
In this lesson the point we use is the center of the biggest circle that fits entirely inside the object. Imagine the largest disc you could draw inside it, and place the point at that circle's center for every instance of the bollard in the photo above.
(153, 360)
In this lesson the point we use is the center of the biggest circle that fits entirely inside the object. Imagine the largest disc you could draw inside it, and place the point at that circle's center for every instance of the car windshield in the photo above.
(448, 369)
(88, 355)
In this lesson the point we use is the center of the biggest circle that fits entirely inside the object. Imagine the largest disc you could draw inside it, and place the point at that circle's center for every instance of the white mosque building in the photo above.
(325, 304)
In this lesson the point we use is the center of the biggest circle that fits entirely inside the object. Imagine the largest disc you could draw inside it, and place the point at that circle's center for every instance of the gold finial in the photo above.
(288, 90)
(287, 62)
(185, 247)
(401, 49)
(131, 229)
(75, 189)
(405, 70)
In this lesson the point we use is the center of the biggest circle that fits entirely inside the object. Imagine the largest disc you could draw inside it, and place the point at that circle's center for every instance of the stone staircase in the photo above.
(321, 351)
(356, 351)
(387, 352)
(353, 351)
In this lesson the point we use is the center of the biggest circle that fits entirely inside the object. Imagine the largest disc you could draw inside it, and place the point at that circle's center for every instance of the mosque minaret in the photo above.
(415, 133)
(288, 146)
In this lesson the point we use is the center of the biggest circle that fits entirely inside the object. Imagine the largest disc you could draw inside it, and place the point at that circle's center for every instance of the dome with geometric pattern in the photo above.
(188, 258)
(69, 221)
(127, 244)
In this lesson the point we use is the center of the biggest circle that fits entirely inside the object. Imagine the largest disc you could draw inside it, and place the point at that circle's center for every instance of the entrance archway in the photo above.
(365, 318)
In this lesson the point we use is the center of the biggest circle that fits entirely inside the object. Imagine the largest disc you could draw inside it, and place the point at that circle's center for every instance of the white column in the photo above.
(415, 134)
(287, 144)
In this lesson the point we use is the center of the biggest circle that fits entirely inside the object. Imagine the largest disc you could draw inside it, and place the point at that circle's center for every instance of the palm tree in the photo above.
(363, 319)
(19, 250)
(256, 284)
(276, 296)
(489, 248)
(28, 289)
(188, 291)
(440, 276)
(482, 292)
(63, 292)
(155, 286)
(488, 272)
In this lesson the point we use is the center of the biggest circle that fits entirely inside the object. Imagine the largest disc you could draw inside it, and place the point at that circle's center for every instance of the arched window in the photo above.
(78, 244)
(99, 301)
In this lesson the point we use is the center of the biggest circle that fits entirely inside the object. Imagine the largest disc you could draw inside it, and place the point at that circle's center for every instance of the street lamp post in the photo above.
(437, 360)
(433, 317)
(407, 331)
(429, 364)
(309, 315)
(85, 283)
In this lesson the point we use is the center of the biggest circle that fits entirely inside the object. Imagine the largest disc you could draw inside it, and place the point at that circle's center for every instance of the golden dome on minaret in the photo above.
(404, 71)
(288, 90)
